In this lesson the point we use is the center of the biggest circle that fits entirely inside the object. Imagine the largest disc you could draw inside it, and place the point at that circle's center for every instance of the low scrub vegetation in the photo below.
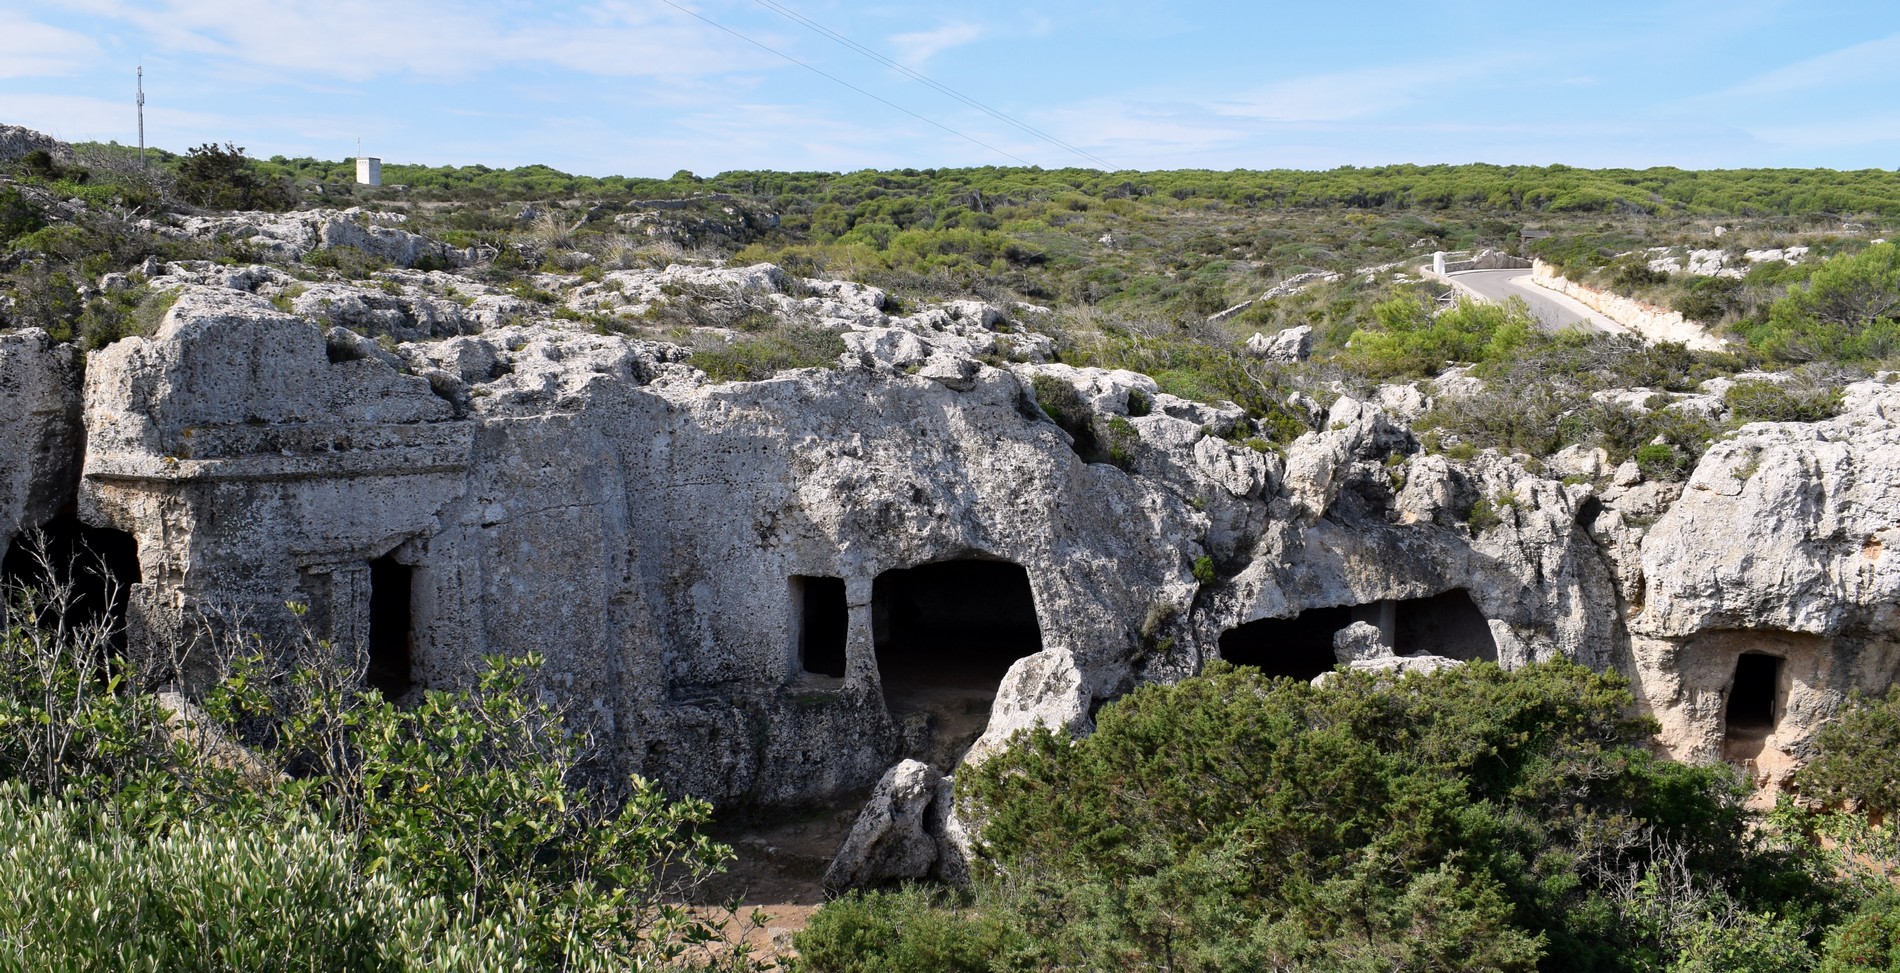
(299, 821)
(1471, 819)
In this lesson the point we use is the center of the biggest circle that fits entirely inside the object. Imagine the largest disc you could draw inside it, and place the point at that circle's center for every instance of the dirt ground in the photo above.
(779, 873)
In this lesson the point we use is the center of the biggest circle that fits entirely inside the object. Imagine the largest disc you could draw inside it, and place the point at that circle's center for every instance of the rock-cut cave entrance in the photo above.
(1753, 705)
(1447, 624)
(95, 566)
(946, 634)
(1301, 647)
(820, 622)
(391, 668)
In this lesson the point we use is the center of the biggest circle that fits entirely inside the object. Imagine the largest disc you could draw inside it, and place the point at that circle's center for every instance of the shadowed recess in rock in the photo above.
(1751, 701)
(1300, 647)
(1447, 624)
(99, 565)
(820, 621)
(391, 633)
(946, 633)
(1749, 716)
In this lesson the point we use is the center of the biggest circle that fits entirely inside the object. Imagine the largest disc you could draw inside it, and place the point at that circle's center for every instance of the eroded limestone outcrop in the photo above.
(775, 591)
(1780, 548)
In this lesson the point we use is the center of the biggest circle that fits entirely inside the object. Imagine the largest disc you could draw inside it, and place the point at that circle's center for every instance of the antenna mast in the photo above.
(141, 116)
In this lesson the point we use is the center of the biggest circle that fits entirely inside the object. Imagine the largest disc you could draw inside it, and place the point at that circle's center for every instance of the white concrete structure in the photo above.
(369, 170)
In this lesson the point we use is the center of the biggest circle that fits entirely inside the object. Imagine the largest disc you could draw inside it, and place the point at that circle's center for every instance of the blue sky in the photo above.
(642, 87)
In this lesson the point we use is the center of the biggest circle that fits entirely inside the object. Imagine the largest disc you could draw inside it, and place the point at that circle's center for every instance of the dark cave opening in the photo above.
(1300, 647)
(1447, 624)
(945, 635)
(391, 629)
(820, 622)
(1751, 700)
(96, 565)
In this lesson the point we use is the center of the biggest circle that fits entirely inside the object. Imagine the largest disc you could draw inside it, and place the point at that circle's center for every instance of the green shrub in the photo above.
(1758, 401)
(1119, 441)
(481, 798)
(1471, 819)
(84, 893)
(1661, 461)
(1848, 311)
(1410, 340)
(18, 217)
(909, 930)
(1857, 756)
(220, 177)
(1204, 569)
(1867, 943)
(757, 359)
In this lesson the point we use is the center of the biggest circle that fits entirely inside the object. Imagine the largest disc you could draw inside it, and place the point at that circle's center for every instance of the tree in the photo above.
(220, 177)
(1849, 310)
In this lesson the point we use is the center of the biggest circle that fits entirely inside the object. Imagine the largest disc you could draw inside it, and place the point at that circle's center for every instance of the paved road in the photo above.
(1552, 309)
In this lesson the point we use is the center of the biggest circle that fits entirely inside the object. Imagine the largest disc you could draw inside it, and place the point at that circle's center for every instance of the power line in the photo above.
(709, 21)
(926, 80)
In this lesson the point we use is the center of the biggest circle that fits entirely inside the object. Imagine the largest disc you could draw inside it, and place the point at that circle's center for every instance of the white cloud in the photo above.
(915, 48)
(1864, 63)
(1842, 133)
(359, 40)
(29, 49)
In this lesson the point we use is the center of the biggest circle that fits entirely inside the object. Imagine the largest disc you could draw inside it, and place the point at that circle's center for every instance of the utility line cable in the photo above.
(926, 80)
(709, 21)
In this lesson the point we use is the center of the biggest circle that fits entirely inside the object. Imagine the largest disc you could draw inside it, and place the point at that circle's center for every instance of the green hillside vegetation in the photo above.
(1470, 819)
(1130, 267)
(466, 831)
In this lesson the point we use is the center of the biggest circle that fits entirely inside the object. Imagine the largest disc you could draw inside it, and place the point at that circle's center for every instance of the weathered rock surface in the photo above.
(1287, 345)
(16, 142)
(901, 834)
(290, 236)
(1042, 690)
(667, 543)
(40, 431)
(1781, 545)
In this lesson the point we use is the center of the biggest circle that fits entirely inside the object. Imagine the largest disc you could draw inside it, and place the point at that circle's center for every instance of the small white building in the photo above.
(369, 170)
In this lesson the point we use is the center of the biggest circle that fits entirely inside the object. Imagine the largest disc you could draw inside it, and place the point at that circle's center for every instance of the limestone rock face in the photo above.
(1360, 641)
(40, 431)
(1290, 345)
(16, 141)
(733, 582)
(1780, 546)
(289, 236)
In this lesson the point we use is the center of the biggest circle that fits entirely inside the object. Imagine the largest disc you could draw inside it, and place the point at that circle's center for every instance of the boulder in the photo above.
(1045, 689)
(1290, 345)
(1360, 642)
(891, 840)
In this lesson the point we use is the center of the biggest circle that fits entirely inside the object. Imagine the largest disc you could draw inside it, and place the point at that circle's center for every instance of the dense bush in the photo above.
(471, 817)
(1468, 820)
(1409, 340)
(220, 177)
(1858, 756)
(1849, 310)
(87, 893)
(753, 359)
(911, 928)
